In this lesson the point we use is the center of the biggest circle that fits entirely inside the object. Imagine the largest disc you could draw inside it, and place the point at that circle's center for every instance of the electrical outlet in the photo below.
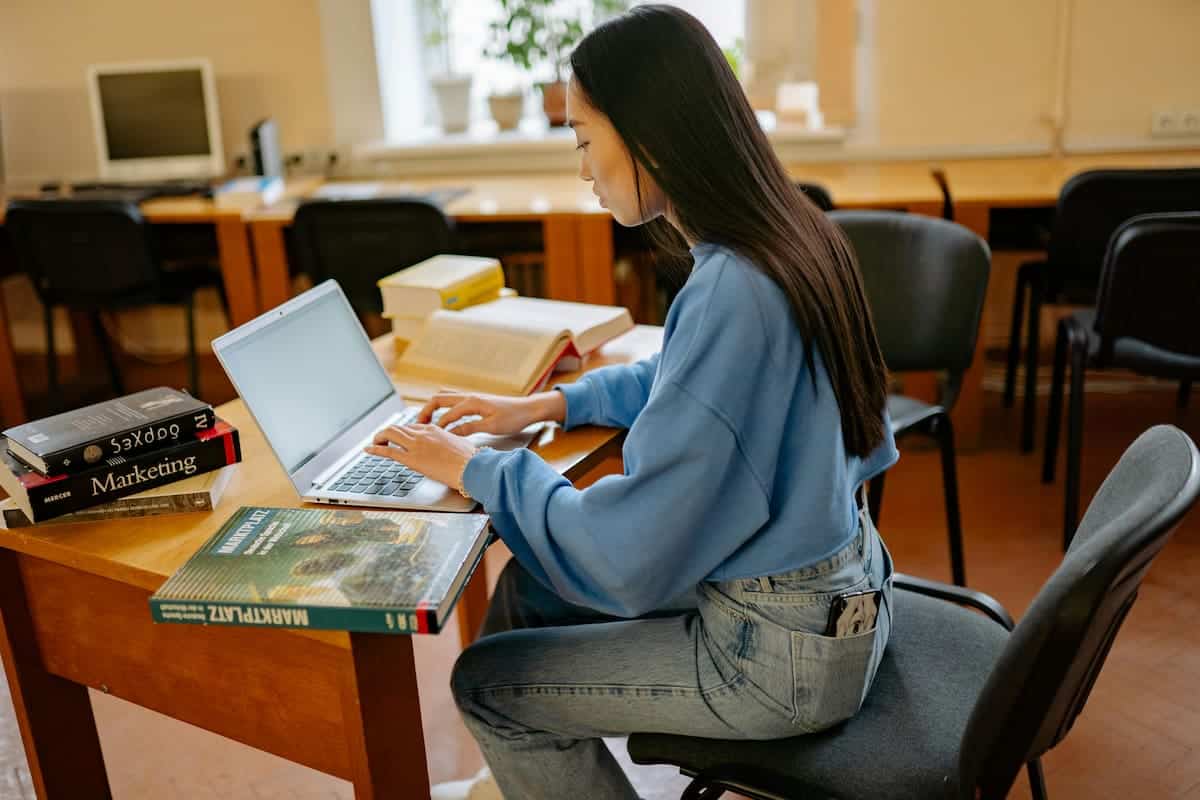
(1164, 123)
(1189, 122)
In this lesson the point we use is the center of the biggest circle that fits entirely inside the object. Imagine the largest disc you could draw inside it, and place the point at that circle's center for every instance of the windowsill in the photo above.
(532, 147)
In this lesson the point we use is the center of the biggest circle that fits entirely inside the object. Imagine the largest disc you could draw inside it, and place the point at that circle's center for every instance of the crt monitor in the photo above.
(156, 120)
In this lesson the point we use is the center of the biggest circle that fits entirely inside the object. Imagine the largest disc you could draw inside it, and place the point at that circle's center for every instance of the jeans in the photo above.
(739, 659)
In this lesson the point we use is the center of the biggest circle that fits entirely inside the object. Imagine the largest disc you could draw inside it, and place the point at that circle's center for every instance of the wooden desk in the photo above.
(237, 275)
(576, 231)
(74, 614)
(979, 185)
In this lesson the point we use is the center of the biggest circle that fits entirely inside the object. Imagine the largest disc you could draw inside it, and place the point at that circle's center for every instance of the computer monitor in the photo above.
(156, 120)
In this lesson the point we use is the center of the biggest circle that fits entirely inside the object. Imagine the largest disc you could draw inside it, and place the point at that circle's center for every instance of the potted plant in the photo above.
(538, 35)
(452, 89)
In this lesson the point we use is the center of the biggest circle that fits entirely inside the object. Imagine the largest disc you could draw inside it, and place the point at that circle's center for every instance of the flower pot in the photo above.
(454, 101)
(506, 109)
(554, 101)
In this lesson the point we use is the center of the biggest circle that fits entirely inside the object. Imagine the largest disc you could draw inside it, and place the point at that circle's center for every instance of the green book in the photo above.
(371, 571)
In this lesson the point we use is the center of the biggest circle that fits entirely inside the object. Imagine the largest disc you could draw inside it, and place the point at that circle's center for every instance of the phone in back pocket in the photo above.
(853, 613)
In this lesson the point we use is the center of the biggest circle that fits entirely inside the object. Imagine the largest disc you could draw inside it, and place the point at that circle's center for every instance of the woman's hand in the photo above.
(428, 449)
(497, 414)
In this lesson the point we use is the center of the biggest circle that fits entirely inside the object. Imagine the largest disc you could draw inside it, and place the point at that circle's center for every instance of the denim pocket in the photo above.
(830, 676)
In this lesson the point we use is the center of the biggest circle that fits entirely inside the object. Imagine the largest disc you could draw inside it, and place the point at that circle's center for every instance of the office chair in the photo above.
(962, 701)
(925, 280)
(1090, 207)
(1144, 320)
(818, 194)
(357, 242)
(96, 256)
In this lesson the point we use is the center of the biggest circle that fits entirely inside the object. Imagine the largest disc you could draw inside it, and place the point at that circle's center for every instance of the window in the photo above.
(407, 60)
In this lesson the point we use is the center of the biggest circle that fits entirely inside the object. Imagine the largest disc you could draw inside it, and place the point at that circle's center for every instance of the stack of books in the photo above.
(443, 282)
(151, 452)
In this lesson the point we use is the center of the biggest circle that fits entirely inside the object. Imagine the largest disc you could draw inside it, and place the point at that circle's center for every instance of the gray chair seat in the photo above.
(1138, 355)
(913, 719)
(907, 412)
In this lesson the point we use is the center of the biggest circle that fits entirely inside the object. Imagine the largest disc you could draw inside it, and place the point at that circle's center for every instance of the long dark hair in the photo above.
(663, 82)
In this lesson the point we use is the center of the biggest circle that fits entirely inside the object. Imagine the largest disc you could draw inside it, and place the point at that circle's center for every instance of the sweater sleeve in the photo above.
(611, 396)
(631, 542)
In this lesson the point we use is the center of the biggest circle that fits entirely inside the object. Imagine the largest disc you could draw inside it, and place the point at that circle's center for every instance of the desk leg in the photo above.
(596, 259)
(12, 404)
(472, 604)
(560, 240)
(237, 269)
(382, 719)
(54, 715)
(270, 255)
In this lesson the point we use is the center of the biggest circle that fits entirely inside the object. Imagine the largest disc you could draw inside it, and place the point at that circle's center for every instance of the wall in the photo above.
(981, 77)
(266, 54)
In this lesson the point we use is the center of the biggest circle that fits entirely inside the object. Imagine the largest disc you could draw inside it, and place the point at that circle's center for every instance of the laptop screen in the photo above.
(307, 376)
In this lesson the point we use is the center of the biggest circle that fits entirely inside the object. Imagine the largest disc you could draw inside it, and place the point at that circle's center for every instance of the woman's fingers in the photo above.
(393, 435)
(440, 400)
(464, 409)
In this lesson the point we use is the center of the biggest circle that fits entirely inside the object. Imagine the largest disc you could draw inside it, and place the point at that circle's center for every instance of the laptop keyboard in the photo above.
(384, 477)
(378, 476)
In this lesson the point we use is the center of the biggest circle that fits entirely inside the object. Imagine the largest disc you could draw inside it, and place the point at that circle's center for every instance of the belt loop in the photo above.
(764, 583)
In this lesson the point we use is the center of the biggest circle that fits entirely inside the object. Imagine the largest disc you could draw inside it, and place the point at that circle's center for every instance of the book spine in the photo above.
(106, 484)
(124, 508)
(153, 436)
(472, 290)
(363, 620)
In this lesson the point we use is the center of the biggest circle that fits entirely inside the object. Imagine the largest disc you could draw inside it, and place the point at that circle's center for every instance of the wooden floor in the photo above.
(1139, 736)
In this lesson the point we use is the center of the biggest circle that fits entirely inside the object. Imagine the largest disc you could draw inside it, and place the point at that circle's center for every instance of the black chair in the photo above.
(817, 193)
(96, 256)
(1090, 207)
(1144, 320)
(925, 279)
(959, 703)
(357, 242)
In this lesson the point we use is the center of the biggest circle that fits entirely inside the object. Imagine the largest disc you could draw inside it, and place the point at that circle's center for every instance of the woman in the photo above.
(692, 593)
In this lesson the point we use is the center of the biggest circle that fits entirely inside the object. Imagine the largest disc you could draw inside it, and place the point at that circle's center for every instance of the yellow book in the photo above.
(444, 281)
(405, 329)
(508, 346)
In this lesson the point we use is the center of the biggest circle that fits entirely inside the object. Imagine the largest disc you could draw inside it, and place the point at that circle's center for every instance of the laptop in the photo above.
(307, 373)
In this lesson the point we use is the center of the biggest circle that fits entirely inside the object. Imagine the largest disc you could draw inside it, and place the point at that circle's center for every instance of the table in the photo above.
(237, 275)
(74, 614)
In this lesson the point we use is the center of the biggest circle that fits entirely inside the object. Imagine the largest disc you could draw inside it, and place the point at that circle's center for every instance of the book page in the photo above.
(588, 325)
(488, 353)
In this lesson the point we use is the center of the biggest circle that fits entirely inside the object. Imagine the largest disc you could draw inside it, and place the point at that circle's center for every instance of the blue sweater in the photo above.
(734, 462)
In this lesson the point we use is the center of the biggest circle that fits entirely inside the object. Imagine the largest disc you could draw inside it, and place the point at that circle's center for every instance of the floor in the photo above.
(1138, 737)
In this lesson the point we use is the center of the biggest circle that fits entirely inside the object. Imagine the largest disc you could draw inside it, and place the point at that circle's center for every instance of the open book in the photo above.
(510, 345)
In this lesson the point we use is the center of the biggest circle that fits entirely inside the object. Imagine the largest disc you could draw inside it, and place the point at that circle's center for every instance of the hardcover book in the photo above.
(510, 345)
(372, 571)
(444, 281)
(43, 497)
(197, 493)
(79, 440)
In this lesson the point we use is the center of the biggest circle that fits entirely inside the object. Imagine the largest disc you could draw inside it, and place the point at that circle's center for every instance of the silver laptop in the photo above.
(308, 374)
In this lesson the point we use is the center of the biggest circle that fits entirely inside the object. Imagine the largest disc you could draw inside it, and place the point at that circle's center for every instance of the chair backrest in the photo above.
(1093, 204)
(817, 193)
(925, 280)
(86, 254)
(1046, 670)
(357, 242)
(1150, 285)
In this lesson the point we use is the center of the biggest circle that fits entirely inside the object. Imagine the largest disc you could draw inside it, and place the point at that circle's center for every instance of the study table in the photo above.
(74, 614)
(233, 249)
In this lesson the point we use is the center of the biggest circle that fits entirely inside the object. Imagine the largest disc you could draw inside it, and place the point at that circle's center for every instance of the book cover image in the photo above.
(375, 571)
(78, 440)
